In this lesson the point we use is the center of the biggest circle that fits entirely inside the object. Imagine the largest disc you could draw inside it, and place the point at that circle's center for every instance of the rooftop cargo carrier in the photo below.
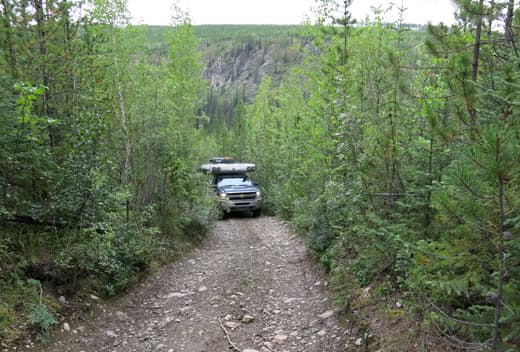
(227, 165)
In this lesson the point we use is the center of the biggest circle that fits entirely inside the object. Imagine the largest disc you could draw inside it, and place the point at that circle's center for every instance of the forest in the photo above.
(393, 151)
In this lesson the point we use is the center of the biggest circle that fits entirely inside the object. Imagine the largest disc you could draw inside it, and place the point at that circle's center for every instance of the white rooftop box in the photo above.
(226, 165)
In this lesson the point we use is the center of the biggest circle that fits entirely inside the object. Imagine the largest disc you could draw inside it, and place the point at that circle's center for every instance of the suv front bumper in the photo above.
(229, 206)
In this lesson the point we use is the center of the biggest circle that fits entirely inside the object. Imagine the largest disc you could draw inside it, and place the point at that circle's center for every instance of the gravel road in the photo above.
(249, 287)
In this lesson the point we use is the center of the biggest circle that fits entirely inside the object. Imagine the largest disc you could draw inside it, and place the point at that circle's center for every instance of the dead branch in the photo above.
(228, 338)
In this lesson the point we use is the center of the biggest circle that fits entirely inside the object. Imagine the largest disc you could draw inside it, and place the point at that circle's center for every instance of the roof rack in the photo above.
(222, 160)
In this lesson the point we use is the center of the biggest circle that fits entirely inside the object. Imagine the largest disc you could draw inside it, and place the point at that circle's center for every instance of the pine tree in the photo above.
(468, 275)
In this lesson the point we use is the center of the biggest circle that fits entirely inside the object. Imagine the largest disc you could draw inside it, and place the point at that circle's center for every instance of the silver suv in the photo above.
(235, 190)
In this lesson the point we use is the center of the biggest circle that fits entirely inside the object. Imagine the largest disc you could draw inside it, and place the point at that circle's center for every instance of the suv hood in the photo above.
(238, 189)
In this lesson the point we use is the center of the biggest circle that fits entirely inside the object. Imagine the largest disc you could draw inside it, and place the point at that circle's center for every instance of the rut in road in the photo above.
(250, 285)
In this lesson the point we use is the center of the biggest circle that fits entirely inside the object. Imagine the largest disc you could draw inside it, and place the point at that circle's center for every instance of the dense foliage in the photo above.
(98, 146)
(397, 154)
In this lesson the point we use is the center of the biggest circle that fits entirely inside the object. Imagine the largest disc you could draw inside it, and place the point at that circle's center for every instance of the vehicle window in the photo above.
(234, 181)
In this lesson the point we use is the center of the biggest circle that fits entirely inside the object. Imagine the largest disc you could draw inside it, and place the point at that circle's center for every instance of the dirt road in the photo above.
(249, 287)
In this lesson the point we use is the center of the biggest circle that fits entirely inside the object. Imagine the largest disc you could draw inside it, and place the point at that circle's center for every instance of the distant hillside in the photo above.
(237, 58)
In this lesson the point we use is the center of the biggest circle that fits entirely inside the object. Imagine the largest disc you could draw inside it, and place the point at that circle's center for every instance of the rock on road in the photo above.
(249, 287)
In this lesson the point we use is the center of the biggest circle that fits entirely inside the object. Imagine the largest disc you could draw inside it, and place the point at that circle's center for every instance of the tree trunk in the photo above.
(501, 266)
(42, 43)
(476, 47)
(10, 52)
(476, 57)
(125, 177)
(508, 33)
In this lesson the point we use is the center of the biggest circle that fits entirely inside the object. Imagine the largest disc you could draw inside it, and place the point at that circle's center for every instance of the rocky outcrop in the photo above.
(235, 69)
(243, 66)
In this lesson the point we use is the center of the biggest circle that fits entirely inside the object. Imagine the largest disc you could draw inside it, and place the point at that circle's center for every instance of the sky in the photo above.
(279, 11)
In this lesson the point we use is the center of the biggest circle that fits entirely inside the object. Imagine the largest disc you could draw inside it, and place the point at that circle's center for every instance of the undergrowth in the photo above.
(37, 265)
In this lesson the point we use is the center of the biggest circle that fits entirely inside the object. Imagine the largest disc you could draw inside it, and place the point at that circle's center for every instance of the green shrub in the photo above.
(41, 320)
(112, 258)
(23, 299)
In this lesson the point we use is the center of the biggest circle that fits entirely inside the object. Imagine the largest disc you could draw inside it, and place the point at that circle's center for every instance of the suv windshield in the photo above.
(234, 181)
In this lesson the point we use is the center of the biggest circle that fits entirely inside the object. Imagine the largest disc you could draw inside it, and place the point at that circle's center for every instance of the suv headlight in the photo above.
(258, 194)
(223, 195)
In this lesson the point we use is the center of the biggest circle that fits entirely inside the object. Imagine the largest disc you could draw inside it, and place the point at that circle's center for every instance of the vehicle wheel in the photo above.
(257, 212)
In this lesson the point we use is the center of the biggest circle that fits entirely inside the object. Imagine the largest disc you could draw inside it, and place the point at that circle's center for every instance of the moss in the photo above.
(9, 318)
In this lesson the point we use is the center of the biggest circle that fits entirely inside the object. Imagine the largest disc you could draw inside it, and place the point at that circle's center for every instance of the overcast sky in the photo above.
(278, 11)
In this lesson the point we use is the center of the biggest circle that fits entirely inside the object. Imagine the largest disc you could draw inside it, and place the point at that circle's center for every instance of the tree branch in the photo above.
(228, 338)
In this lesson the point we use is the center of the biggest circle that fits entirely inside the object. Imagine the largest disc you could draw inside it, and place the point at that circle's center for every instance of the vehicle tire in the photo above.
(257, 212)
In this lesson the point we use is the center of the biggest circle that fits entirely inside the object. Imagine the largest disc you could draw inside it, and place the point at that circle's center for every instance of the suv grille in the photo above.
(239, 196)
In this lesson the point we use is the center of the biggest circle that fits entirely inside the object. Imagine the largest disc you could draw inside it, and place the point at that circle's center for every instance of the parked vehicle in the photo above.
(236, 192)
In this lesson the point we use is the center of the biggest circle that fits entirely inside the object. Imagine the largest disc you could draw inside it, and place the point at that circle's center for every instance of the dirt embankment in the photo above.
(250, 287)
